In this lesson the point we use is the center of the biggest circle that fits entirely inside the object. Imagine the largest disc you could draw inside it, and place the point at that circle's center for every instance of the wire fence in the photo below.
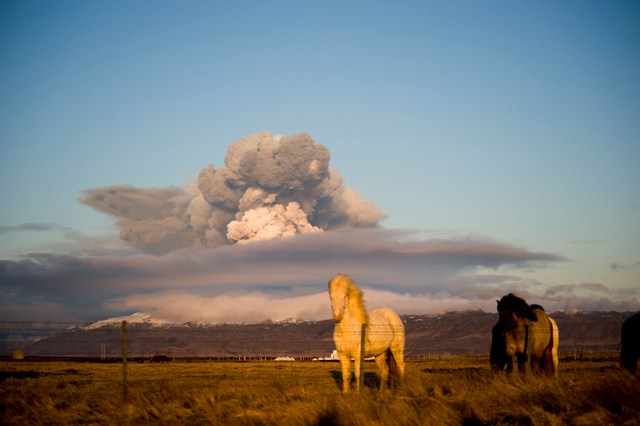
(45, 339)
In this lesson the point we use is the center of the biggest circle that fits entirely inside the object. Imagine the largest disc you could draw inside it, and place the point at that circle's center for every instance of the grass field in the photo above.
(438, 391)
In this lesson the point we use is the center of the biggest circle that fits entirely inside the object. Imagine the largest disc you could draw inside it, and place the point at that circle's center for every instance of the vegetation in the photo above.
(445, 390)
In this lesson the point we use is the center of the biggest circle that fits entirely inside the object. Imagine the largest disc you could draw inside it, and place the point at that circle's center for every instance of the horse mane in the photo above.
(354, 297)
(511, 302)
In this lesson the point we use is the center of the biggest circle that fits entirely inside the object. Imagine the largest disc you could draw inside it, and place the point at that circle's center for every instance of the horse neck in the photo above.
(355, 307)
(518, 335)
(354, 312)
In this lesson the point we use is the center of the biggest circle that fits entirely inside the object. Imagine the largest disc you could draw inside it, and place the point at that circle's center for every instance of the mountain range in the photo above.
(467, 332)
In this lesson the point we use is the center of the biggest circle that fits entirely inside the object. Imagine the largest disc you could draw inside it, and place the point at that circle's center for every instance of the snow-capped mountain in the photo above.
(136, 318)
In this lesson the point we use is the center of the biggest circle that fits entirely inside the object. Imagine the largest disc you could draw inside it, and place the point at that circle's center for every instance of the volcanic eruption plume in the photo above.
(270, 186)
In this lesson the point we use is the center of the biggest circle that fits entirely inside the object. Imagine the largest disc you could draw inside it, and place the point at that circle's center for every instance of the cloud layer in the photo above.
(286, 278)
(271, 186)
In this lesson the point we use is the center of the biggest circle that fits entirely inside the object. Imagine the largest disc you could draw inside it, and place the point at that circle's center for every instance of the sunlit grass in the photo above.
(457, 390)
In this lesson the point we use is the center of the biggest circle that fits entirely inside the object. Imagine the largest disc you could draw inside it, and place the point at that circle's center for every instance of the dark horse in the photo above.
(524, 334)
(630, 343)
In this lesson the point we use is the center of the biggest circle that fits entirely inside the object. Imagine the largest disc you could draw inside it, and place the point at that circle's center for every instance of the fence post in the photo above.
(124, 354)
(362, 354)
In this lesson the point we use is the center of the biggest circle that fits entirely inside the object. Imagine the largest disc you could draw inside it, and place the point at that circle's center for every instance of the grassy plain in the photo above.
(438, 391)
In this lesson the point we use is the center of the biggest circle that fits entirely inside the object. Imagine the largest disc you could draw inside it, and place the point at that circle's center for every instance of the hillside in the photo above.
(454, 332)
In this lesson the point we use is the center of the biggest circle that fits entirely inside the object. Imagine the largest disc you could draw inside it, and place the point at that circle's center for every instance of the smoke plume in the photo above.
(270, 187)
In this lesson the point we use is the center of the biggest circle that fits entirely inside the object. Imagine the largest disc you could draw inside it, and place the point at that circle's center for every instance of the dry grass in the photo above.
(458, 390)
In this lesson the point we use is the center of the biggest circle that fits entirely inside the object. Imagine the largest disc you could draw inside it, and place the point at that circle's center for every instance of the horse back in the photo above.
(386, 317)
(385, 329)
(542, 332)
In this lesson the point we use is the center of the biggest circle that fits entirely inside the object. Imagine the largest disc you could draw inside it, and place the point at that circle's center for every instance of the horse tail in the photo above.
(552, 348)
(395, 375)
(395, 352)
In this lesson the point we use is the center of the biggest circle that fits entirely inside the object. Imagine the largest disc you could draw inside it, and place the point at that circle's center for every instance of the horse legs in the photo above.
(397, 362)
(510, 361)
(358, 372)
(629, 358)
(536, 363)
(522, 363)
(381, 360)
(345, 363)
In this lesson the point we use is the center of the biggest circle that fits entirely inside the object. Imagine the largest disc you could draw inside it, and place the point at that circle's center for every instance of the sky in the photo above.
(221, 161)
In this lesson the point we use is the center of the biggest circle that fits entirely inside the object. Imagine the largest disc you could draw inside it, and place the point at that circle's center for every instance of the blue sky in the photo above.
(514, 123)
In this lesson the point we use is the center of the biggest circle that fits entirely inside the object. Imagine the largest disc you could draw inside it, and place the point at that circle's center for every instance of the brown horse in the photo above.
(526, 335)
(630, 343)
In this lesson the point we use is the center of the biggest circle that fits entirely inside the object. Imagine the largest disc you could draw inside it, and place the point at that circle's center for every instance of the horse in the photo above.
(360, 334)
(630, 343)
(526, 335)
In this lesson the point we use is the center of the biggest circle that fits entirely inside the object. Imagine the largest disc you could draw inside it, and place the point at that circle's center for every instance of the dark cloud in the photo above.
(383, 256)
(271, 186)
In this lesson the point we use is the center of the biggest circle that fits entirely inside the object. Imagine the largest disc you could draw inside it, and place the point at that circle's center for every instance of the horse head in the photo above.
(338, 289)
(512, 307)
(346, 297)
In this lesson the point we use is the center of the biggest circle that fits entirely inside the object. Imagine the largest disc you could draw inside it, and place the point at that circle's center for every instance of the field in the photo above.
(437, 391)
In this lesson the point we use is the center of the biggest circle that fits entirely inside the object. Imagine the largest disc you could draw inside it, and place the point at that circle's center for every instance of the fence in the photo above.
(216, 342)
(267, 341)
(16, 336)
(33, 330)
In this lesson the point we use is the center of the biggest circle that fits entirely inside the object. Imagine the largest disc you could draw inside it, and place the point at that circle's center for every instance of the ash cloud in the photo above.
(270, 187)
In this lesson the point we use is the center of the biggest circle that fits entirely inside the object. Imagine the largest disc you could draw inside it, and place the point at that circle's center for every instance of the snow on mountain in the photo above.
(146, 319)
(136, 318)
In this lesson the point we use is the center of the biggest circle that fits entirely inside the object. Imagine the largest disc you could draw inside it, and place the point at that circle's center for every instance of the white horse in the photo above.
(380, 331)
